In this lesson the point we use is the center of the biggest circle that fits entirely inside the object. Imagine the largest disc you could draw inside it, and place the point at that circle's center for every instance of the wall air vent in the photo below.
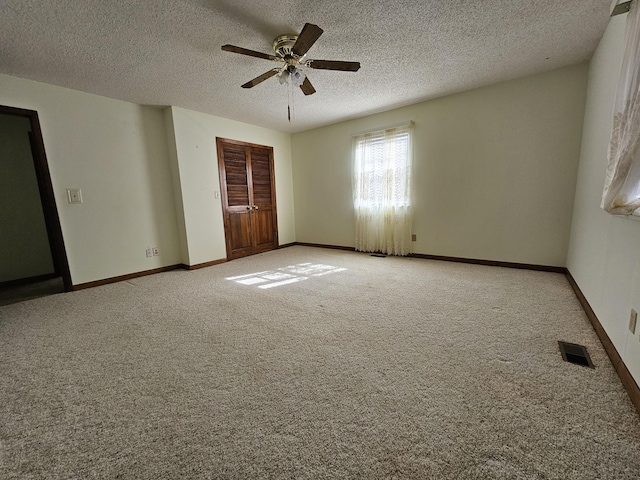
(574, 353)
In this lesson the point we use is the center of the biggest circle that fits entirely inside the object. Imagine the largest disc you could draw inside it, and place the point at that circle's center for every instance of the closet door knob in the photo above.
(248, 207)
(255, 207)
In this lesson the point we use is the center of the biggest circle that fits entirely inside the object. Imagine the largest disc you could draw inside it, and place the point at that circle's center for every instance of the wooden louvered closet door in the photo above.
(248, 197)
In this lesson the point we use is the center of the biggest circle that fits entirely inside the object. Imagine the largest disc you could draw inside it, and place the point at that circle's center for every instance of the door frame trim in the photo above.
(47, 196)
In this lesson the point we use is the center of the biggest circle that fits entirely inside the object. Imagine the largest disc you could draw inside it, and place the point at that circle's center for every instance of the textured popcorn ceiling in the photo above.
(167, 52)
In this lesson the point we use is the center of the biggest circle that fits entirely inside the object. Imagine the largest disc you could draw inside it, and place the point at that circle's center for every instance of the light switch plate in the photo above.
(74, 195)
(633, 320)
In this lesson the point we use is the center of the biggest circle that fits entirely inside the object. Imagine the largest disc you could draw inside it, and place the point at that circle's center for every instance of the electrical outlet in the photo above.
(633, 320)
(149, 252)
(413, 237)
(156, 252)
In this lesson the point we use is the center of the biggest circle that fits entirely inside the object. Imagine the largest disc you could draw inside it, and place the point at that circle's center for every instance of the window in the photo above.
(621, 194)
(382, 191)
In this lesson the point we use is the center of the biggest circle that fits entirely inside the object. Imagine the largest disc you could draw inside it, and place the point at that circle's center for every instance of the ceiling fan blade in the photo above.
(245, 51)
(334, 65)
(308, 36)
(261, 78)
(306, 87)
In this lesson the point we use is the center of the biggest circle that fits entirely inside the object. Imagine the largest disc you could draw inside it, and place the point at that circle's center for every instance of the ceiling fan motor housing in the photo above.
(283, 45)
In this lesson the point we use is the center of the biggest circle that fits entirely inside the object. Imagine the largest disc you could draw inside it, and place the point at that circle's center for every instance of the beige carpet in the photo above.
(344, 366)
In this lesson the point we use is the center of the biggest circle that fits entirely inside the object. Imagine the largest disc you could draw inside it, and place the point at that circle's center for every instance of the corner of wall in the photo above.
(177, 186)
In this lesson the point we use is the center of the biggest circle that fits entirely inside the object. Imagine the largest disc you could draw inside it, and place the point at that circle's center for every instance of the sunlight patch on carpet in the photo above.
(286, 275)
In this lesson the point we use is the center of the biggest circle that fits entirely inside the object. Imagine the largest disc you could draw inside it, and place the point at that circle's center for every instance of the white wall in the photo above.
(116, 152)
(147, 177)
(197, 170)
(494, 169)
(24, 244)
(604, 252)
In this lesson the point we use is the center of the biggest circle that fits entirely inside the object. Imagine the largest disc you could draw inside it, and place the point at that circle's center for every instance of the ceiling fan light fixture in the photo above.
(297, 77)
(283, 78)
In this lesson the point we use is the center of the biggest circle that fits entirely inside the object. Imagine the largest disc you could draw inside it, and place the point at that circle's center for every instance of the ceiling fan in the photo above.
(290, 50)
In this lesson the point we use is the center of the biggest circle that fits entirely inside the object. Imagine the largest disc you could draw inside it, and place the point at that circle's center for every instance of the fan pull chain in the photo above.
(291, 107)
(289, 101)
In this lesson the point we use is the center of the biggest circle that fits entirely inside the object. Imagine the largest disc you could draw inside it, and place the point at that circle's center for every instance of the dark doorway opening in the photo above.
(42, 282)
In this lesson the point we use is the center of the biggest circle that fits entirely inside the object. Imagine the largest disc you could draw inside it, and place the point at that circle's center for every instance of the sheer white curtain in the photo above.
(621, 194)
(382, 191)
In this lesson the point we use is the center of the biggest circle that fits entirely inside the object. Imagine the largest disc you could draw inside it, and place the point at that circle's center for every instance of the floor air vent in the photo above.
(379, 255)
(574, 353)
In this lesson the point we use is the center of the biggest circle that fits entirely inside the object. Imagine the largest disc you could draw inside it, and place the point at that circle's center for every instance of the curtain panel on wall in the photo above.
(621, 194)
(382, 191)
